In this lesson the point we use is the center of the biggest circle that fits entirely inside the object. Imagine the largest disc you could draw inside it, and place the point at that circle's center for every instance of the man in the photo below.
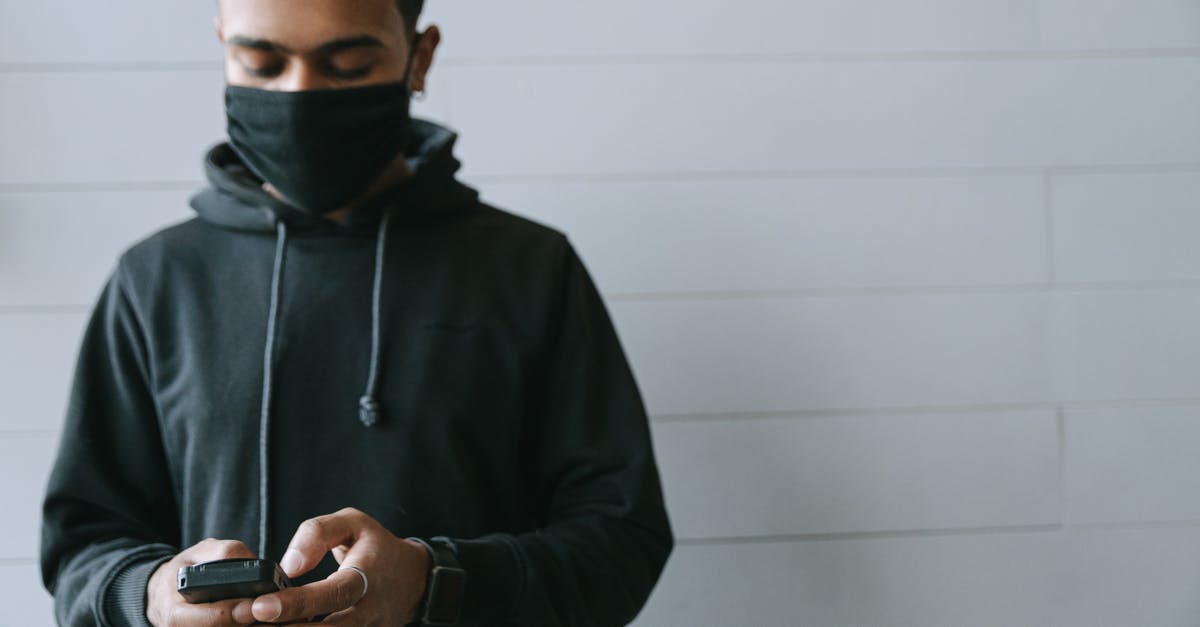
(349, 364)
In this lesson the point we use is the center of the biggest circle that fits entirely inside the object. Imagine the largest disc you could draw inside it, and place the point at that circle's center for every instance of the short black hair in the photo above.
(410, 10)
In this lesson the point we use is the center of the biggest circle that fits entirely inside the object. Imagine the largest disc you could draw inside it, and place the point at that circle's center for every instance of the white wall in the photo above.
(911, 286)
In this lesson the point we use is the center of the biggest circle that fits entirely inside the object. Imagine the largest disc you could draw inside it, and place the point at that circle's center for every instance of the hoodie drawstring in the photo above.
(268, 371)
(368, 406)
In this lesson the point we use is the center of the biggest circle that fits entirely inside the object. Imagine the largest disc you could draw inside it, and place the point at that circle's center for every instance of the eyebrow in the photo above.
(329, 47)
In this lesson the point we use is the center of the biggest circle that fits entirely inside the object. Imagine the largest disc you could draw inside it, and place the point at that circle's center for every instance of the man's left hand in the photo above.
(395, 569)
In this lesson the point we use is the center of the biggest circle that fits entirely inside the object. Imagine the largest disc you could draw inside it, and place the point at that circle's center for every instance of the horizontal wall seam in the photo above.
(864, 535)
(655, 59)
(28, 434)
(868, 412)
(928, 533)
(924, 410)
(794, 293)
(1061, 287)
(790, 58)
(677, 176)
(49, 310)
(97, 186)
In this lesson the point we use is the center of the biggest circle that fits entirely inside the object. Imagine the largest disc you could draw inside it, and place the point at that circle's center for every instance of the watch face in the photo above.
(445, 595)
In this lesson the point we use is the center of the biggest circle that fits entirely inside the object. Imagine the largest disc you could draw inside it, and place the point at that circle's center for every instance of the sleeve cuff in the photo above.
(125, 599)
(495, 578)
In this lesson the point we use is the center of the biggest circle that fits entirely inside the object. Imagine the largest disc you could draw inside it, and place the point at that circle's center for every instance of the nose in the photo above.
(301, 75)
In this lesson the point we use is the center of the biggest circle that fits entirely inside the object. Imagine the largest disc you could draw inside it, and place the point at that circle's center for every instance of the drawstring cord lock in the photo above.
(368, 411)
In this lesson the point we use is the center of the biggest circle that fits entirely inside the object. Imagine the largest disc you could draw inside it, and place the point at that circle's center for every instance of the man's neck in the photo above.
(396, 173)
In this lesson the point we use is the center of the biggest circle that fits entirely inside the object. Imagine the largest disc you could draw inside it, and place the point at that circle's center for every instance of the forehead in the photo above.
(306, 24)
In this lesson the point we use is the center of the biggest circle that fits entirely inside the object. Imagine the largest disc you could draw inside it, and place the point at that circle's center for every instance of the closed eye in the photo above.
(264, 72)
(348, 74)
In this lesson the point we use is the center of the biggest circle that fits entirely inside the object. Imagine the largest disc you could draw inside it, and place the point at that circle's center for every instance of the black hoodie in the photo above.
(442, 365)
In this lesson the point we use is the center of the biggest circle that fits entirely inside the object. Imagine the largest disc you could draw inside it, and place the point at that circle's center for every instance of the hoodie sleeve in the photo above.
(109, 515)
(604, 536)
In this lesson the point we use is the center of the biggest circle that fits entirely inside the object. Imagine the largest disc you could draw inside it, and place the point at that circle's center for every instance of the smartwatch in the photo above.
(444, 585)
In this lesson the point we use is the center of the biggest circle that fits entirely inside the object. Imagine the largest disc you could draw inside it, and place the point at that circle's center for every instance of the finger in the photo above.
(316, 536)
(242, 613)
(339, 553)
(219, 614)
(339, 591)
(212, 549)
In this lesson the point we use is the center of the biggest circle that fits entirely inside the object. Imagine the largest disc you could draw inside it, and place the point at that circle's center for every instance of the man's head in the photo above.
(318, 95)
(300, 45)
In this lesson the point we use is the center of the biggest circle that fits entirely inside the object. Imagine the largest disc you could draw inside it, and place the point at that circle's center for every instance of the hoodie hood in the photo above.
(235, 198)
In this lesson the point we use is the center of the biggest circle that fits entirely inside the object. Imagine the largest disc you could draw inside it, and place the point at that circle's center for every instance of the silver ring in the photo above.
(366, 584)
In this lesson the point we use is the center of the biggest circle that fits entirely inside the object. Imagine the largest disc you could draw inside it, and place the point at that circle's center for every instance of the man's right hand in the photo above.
(165, 607)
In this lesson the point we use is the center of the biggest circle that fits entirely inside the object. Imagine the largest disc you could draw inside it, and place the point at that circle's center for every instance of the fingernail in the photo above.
(243, 612)
(291, 561)
(267, 608)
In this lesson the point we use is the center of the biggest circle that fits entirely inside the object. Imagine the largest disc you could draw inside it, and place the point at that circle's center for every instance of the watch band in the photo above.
(445, 582)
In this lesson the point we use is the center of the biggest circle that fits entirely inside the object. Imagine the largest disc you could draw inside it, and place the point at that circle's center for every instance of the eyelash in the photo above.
(266, 72)
(356, 73)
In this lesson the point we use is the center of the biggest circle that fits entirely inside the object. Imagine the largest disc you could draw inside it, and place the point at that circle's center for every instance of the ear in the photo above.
(423, 54)
(219, 28)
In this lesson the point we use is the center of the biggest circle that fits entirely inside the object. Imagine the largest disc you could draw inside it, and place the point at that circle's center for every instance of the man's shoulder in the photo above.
(506, 229)
(150, 253)
(517, 225)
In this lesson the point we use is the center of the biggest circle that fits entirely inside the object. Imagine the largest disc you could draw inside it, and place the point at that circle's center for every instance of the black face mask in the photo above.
(320, 149)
